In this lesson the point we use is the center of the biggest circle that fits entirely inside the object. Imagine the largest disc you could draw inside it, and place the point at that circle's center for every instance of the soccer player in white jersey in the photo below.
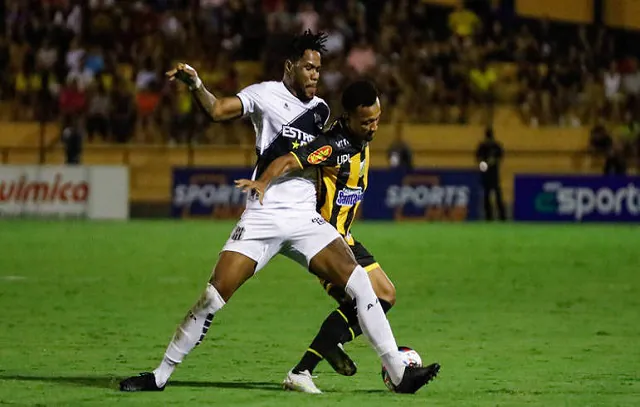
(285, 114)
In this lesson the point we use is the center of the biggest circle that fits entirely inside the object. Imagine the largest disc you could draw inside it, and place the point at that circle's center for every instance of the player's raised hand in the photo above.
(248, 186)
(186, 74)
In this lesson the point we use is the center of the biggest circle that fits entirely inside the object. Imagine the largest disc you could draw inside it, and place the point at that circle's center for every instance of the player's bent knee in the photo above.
(382, 285)
(389, 295)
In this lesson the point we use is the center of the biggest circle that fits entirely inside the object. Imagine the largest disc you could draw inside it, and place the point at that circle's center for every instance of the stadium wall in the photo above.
(435, 147)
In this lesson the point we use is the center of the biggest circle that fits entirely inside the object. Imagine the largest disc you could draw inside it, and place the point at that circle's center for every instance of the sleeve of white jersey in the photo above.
(251, 98)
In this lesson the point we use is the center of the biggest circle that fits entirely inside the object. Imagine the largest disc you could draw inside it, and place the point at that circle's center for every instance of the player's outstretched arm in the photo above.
(277, 168)
(219, 109)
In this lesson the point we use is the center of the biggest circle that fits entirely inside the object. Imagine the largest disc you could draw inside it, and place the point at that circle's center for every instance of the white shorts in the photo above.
(299, 235)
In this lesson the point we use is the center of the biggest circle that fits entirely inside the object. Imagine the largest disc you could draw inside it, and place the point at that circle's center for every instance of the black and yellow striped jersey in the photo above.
(343, 174)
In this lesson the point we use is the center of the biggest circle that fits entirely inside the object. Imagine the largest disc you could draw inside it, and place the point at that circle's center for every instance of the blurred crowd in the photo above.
(100, 64)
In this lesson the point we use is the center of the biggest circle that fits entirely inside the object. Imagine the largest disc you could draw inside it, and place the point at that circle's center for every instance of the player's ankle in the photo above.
(164, 371)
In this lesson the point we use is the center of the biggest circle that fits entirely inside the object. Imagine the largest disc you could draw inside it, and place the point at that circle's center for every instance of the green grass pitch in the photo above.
(516, 314)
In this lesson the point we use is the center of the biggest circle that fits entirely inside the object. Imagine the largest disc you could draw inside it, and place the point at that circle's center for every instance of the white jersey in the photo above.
(283, 123)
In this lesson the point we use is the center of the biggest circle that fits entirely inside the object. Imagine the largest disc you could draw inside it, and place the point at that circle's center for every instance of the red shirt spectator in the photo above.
(72, 99)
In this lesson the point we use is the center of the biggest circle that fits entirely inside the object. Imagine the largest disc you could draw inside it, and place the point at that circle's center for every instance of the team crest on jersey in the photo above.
(320, 155)
(318, 120)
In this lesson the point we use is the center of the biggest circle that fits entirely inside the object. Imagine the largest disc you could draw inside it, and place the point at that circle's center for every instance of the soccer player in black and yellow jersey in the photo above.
(342, 155)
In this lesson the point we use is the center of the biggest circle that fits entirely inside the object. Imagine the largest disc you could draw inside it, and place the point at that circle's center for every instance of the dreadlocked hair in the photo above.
(307, 40)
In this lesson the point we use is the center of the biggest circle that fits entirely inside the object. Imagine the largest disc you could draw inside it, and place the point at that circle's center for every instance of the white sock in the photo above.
(190, 333)
(374, 323)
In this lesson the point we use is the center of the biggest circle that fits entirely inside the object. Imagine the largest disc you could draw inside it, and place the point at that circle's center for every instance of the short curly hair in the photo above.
(359, 93)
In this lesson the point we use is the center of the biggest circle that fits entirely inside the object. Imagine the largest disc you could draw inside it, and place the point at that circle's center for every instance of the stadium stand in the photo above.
(540, 72)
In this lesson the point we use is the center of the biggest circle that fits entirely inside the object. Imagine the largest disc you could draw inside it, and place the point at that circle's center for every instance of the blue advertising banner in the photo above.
(576, 198)
(444, 195)
(201, 192)
(447, 195)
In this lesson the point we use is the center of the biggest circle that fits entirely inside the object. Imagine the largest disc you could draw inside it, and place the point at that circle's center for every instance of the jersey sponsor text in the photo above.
(349, 196)
(320, 155)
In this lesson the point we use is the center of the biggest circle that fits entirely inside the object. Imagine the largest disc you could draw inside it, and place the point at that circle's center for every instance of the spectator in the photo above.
(75, 20)
(631, 84)
(123, 113)
(72, 139)
(361, 58)
(94, 60)
(74, 55)
(47, 56)
(280, 17)
(211, 15)
(600, 141)
(332, 80)
(612, 82)
(72, 100)
(489, 155)
(146, 75)
(336, 40)
(430, 51)
(182, 111)
(307, 17)
(463, 22)
(98, 113)
(83, 76)
(628, 133)
(254, 31)
(483, 80)
(399, 152)
(497, 43)
(615, 164)
(147, 99)
(355, 18)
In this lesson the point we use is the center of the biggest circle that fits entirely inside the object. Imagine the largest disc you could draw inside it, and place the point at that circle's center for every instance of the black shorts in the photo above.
(363, 257)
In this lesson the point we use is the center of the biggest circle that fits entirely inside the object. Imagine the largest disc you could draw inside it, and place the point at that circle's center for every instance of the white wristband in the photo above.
(196, 85)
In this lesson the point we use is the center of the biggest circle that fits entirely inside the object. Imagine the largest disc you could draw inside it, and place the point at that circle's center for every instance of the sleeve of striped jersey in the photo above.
(251, 98)
(320, 151)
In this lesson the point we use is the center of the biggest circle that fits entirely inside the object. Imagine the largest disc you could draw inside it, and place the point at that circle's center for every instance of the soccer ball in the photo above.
(410, 358)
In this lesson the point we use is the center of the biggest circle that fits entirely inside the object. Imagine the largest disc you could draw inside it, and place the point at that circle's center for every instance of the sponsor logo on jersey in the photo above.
(343, 159)
(349, 196)
(318, 221)
(320, 155)
(297, 134)
(342, 143)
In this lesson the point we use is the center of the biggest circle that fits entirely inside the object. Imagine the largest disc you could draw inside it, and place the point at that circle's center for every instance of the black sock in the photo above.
(341, 326)
(330, 331)
(308, 362)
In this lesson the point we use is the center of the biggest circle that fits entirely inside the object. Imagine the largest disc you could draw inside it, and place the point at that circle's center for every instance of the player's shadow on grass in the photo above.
(111, 382)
